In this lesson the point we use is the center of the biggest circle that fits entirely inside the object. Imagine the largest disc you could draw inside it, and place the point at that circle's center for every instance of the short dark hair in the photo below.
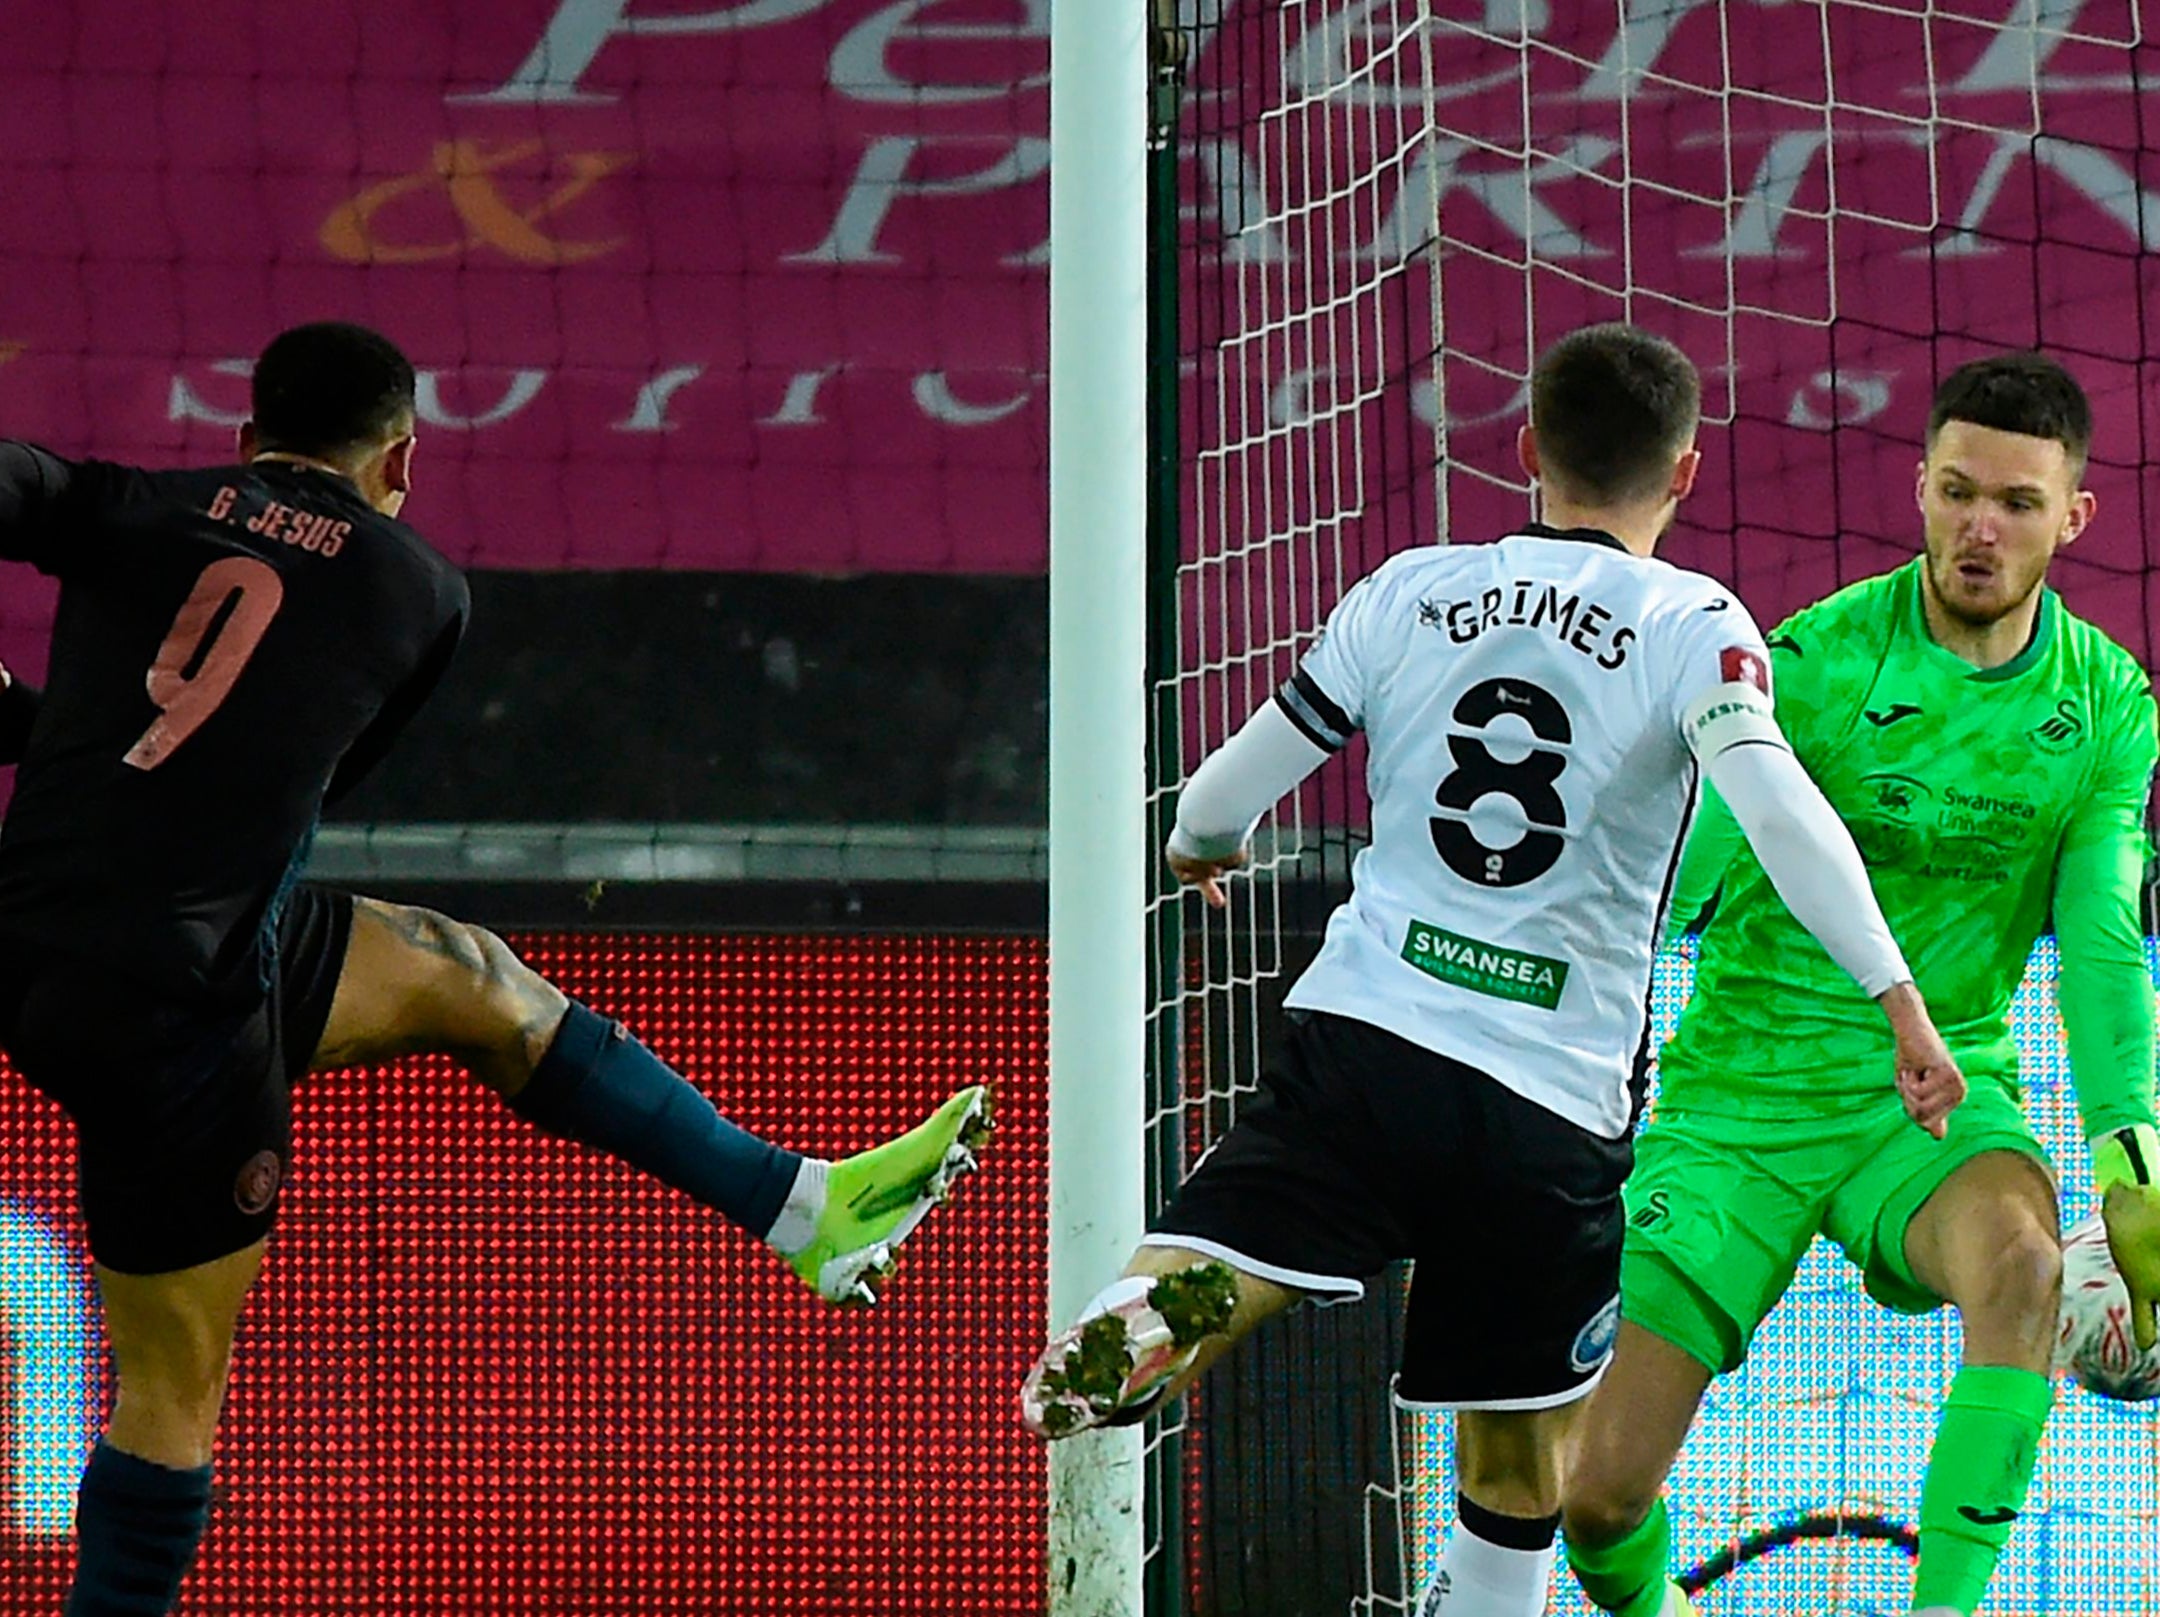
(2024, 392)
(1613, 407)
(329, 387)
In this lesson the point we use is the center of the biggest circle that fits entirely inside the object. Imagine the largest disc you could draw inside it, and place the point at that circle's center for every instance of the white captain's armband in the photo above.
(1729, 715)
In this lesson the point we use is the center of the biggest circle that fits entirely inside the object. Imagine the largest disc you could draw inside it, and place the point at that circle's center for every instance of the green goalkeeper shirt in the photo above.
(1981, 799)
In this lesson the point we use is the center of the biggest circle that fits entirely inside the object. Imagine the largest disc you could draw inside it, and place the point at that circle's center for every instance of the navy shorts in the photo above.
(183, 1110)
(1362, 1149)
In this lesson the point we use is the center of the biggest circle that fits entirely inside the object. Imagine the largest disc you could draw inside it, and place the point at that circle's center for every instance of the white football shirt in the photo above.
(1523, 704)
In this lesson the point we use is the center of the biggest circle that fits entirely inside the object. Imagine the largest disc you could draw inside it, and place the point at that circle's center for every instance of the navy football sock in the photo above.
(138, 1524)
(599, 1086)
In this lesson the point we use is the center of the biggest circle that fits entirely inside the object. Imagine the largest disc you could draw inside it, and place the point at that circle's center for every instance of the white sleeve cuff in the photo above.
(1810, 859)
(1240, 781)
(1726, 716)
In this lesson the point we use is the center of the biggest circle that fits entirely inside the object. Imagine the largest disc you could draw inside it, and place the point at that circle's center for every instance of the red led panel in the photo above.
(490, 1372)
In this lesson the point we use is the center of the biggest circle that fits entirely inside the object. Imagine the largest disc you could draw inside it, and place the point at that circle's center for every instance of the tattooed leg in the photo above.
(417, 982)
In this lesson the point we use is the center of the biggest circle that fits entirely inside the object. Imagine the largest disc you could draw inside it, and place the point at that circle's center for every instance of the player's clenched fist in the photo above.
(1928, 1080)
(2126, 1165)
(1205, 874)
(1930, 1095)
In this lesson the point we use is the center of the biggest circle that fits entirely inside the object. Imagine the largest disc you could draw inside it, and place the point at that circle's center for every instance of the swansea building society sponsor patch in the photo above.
(1485, 968)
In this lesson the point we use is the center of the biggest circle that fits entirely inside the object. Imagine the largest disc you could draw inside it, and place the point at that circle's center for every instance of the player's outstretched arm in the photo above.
(1240, 781)
(1810, 859)
(1311, 718)
(2107, 999)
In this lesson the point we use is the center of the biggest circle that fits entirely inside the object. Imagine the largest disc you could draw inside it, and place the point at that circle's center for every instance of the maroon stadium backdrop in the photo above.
(487, 1372)
(760, 285)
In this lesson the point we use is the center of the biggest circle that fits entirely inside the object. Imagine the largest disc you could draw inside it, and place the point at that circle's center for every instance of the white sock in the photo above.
(796, 1226)
(1478, 1578)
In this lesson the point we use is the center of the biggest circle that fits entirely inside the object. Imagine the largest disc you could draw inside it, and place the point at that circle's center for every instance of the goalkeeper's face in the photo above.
(1998, 505)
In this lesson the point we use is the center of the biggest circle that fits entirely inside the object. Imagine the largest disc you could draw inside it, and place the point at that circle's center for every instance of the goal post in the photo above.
(1098, 750)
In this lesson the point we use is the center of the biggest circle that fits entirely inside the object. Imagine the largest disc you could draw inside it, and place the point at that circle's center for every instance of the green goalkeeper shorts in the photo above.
(1721, 1209)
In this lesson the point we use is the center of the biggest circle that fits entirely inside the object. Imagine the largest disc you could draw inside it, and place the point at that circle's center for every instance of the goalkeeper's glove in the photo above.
(2126, 1166)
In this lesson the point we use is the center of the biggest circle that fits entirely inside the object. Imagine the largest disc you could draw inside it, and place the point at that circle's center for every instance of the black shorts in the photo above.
(183, 1111)
(1363, 1148)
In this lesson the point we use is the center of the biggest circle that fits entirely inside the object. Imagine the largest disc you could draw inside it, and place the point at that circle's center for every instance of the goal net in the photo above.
(1384, 208)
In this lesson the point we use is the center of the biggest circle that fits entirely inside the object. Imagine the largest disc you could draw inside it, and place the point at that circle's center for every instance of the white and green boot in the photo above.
(1114, 1365)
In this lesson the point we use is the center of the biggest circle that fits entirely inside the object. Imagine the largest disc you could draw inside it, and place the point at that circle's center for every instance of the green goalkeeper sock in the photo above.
(1629, 1577)
(1977, 1474)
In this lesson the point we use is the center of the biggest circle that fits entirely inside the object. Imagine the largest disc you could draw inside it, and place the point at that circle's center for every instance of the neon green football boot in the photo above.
(875, 1199)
